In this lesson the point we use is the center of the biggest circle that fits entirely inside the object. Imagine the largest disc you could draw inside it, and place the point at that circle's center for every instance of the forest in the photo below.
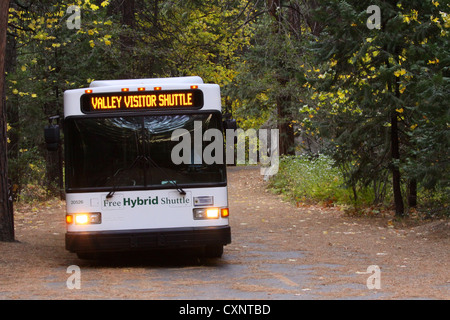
(359, 90)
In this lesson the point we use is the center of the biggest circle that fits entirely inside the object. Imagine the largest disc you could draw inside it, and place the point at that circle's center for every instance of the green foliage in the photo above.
(28, 175)
(326, 78)
(271, 59)
(316, 179)
(159, 38)
(377, 78)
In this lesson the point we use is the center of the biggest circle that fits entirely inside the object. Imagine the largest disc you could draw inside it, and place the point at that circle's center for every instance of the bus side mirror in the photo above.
(230, 124)
(51, 135)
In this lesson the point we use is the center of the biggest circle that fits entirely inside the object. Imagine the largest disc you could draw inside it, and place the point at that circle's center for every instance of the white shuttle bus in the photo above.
(124, 192)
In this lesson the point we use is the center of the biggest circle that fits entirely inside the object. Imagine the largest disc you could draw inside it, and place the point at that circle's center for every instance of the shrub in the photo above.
(315, 179)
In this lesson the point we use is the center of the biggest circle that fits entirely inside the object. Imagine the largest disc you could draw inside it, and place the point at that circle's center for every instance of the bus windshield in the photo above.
(134, 152)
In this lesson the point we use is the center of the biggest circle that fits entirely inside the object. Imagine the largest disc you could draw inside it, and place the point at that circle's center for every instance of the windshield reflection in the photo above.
(114, 152)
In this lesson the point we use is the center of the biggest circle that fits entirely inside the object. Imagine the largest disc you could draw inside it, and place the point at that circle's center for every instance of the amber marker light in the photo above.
(88, 91)
(125, 89)
(194, 87)
(225, 212)
(141, 89)
(157, 88)
(69, 219)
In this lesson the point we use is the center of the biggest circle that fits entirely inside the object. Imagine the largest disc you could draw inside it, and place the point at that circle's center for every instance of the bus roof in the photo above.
(211, 92)
(153, 81)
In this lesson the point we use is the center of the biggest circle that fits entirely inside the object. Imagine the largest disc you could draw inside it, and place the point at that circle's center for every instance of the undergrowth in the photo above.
(315, 180)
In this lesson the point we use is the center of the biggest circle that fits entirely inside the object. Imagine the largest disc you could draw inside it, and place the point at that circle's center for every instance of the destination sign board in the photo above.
(141, 100)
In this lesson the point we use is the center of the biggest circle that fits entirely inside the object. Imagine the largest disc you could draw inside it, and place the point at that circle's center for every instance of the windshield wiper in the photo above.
(144, 159)
(173, 182)
(121, 170)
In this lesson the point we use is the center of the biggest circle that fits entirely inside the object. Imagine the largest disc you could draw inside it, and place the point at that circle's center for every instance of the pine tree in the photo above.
(385, 89)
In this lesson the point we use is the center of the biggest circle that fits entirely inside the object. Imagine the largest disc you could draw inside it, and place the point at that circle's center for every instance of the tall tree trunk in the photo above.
(395, 153)
(127, 38)
(395, 149)
(286, 130)
(6, 212)
(286, 144)
(412, 193)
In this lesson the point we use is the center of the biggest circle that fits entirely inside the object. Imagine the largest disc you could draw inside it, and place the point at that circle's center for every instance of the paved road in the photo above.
(278, 251)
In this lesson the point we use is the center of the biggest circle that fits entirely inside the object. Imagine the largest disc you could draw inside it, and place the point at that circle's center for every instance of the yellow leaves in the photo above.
(413, 126)
(435, 61)
(446, 18)
(400, 73)
(435, 3)
(412, 16)
(401, 59)
(106, 40)
(91, 43)
(15, 91)
(399, 110)
(434, 19)
(104, 3)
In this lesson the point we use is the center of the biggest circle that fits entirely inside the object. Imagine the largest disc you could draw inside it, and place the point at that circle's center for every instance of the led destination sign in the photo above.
(144, 100)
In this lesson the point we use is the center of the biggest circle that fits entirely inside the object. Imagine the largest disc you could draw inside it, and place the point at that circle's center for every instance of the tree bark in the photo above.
(6, 212)
(412, 193)
(395, 153)
(286, 130)
(287, 142)
(126, 37)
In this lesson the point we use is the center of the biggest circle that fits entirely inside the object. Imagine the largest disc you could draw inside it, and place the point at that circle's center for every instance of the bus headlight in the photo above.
(210, 213)
(87, 218)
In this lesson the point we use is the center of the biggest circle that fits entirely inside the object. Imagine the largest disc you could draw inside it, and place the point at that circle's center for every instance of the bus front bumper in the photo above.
(130, 240)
